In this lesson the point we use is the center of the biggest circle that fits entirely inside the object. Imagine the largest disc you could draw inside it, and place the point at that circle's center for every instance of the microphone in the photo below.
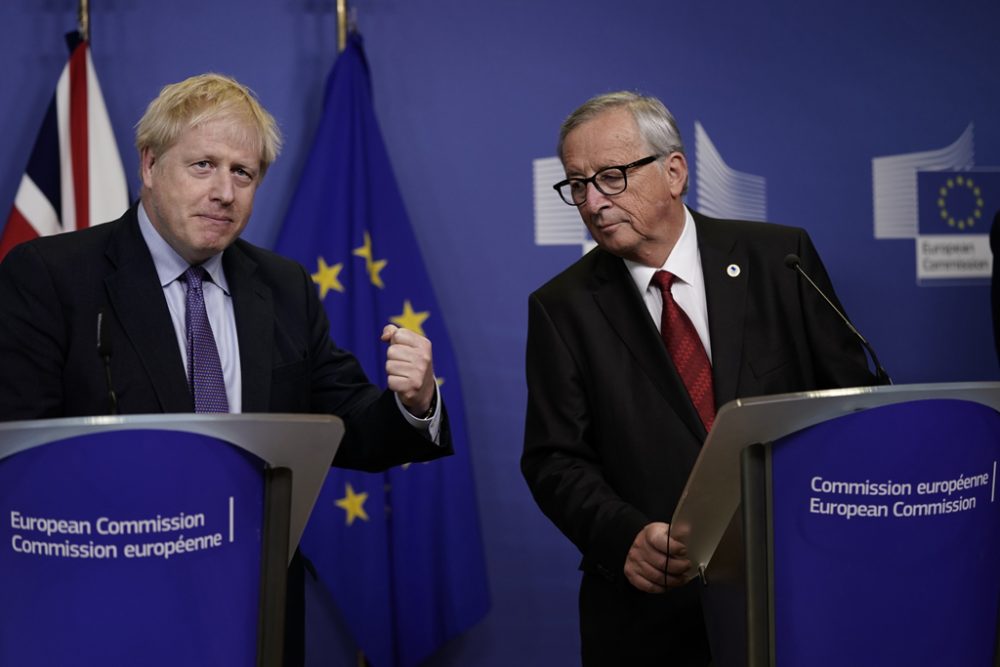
(104, 351)
(793, 262)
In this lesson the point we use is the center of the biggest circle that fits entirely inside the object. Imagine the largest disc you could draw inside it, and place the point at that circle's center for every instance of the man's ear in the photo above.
(146, 162)
(676, 168)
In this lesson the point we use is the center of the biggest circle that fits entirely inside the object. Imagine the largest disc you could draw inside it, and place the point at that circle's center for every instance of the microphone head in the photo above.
(792, 261)
(103, 340)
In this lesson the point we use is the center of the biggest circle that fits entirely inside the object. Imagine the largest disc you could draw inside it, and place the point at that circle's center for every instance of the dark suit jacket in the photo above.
(52, 289)
(611, 434)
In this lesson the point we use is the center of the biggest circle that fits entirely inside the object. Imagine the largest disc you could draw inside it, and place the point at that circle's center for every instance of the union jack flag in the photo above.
(74, 178)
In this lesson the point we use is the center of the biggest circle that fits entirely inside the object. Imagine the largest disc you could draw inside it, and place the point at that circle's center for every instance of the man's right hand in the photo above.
(648, 566)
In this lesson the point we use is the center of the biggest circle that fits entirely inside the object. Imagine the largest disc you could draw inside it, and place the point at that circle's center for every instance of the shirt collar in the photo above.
(169, 265)
(682, 261)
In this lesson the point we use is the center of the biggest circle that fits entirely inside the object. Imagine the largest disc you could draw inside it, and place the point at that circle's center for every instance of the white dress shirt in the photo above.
(688, 288)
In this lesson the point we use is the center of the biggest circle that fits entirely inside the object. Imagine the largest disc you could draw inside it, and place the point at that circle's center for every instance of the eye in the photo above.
(611, 178)
(243, 174)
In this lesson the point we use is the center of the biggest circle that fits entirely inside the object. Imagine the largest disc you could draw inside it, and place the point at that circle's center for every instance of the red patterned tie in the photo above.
(686, 350)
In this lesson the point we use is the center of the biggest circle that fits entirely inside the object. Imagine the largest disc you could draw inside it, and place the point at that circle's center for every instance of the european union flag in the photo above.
(400, 552)
(957, 202)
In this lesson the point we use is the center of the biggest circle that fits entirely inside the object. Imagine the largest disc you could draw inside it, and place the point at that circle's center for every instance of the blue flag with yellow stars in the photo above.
(400, 552)
(957, 202)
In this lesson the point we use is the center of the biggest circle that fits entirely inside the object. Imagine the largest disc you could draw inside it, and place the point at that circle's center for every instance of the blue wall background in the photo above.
(469, 93)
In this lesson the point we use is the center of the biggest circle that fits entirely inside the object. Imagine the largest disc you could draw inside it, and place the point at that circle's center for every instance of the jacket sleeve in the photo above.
(561, 463)
(376, 436)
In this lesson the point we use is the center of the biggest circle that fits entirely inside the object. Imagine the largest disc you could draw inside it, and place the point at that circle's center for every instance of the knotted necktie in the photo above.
(204, 369)
(686, 350)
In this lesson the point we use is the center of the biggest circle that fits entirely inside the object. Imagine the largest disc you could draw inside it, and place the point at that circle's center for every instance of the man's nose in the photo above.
(222, 187)
(596, 200)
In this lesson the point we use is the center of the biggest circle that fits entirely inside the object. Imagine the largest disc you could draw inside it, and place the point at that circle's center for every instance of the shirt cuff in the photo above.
(430, 426)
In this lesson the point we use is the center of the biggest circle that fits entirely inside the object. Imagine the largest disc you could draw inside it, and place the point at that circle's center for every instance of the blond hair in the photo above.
(201, 99)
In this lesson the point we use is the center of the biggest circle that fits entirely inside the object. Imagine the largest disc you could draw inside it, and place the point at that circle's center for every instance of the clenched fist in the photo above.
(409, 367)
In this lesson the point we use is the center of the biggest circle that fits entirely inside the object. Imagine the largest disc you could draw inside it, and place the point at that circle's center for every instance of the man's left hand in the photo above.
(409, 367)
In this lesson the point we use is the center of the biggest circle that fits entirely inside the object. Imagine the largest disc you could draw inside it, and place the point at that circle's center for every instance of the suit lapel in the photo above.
(726, 296)
(622, 305)
(137, 300)
(253, 308)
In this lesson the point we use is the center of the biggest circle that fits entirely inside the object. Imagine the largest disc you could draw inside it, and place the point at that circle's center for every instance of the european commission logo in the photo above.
(941, 200)
(717, 190)
(957, 202)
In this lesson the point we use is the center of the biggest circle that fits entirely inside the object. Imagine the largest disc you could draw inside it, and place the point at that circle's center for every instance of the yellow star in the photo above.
(409, 319)
(373, 272)
(354, 505)
(327, 277)
(372, 265)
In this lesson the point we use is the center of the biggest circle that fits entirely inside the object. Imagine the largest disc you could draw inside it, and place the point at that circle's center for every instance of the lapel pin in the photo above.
(733, 270)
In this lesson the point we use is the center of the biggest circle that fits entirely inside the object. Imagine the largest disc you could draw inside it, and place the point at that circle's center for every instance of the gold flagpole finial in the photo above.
(83, 20)
(341, 25)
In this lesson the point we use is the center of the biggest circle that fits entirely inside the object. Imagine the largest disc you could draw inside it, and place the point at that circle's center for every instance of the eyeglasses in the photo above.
(608, 181)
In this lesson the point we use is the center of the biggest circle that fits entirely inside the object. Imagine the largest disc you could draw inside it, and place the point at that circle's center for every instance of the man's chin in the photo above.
(208, 248)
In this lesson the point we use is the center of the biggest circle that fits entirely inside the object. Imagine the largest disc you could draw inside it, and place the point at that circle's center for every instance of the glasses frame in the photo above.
(623, 168)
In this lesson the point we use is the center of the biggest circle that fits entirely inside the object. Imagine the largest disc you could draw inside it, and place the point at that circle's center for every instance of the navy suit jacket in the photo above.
(52, 289)
(610, 433)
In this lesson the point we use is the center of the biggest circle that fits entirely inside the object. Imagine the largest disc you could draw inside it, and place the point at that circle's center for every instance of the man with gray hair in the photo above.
(631, 350)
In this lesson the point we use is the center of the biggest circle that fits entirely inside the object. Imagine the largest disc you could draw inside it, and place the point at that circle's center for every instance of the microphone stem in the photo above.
(880, 372)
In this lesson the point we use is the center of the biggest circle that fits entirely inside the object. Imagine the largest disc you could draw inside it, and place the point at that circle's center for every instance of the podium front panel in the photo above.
(130, 547)
(886, 538)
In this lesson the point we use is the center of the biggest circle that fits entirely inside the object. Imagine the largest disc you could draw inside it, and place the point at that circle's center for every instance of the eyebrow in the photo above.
(601, 168)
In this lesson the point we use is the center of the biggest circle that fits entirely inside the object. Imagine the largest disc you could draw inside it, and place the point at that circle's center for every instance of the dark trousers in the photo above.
(295, 614)
(621, 626)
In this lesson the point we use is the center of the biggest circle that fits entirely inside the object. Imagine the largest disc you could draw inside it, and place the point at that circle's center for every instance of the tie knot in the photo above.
(663, 279)
(194, 276)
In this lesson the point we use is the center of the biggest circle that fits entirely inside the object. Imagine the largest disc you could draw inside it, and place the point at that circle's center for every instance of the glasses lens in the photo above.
(573, 193)
(564, 191)
(611, 181)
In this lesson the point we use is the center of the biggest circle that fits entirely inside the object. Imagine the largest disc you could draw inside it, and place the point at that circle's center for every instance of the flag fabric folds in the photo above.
(74, 178)
(400, 552)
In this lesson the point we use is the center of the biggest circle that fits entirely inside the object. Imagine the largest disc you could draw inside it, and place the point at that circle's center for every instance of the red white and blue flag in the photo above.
(74, 178)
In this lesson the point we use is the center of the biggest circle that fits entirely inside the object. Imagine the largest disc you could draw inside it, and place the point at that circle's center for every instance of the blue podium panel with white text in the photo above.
(886, 538)
(130, 547)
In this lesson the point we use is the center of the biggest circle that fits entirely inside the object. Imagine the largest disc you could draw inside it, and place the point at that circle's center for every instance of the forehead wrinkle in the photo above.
(219, 143)
(607, 140)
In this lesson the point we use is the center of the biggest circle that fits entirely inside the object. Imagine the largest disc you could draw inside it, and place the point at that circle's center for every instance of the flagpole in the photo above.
(341, 25)
(342, 20)
(83, 20)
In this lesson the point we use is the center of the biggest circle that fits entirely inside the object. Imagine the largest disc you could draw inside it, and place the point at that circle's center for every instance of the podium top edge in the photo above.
(172, 420)
(903, 389)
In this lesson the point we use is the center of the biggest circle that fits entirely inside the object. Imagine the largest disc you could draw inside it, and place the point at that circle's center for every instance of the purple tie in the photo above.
(204, 369)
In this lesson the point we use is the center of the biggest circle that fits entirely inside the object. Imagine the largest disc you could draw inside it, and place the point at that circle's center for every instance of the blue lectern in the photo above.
(153, 539)
(869, 532)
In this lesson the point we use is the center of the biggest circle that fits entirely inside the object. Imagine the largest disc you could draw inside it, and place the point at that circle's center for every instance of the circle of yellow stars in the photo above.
(953, 187)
